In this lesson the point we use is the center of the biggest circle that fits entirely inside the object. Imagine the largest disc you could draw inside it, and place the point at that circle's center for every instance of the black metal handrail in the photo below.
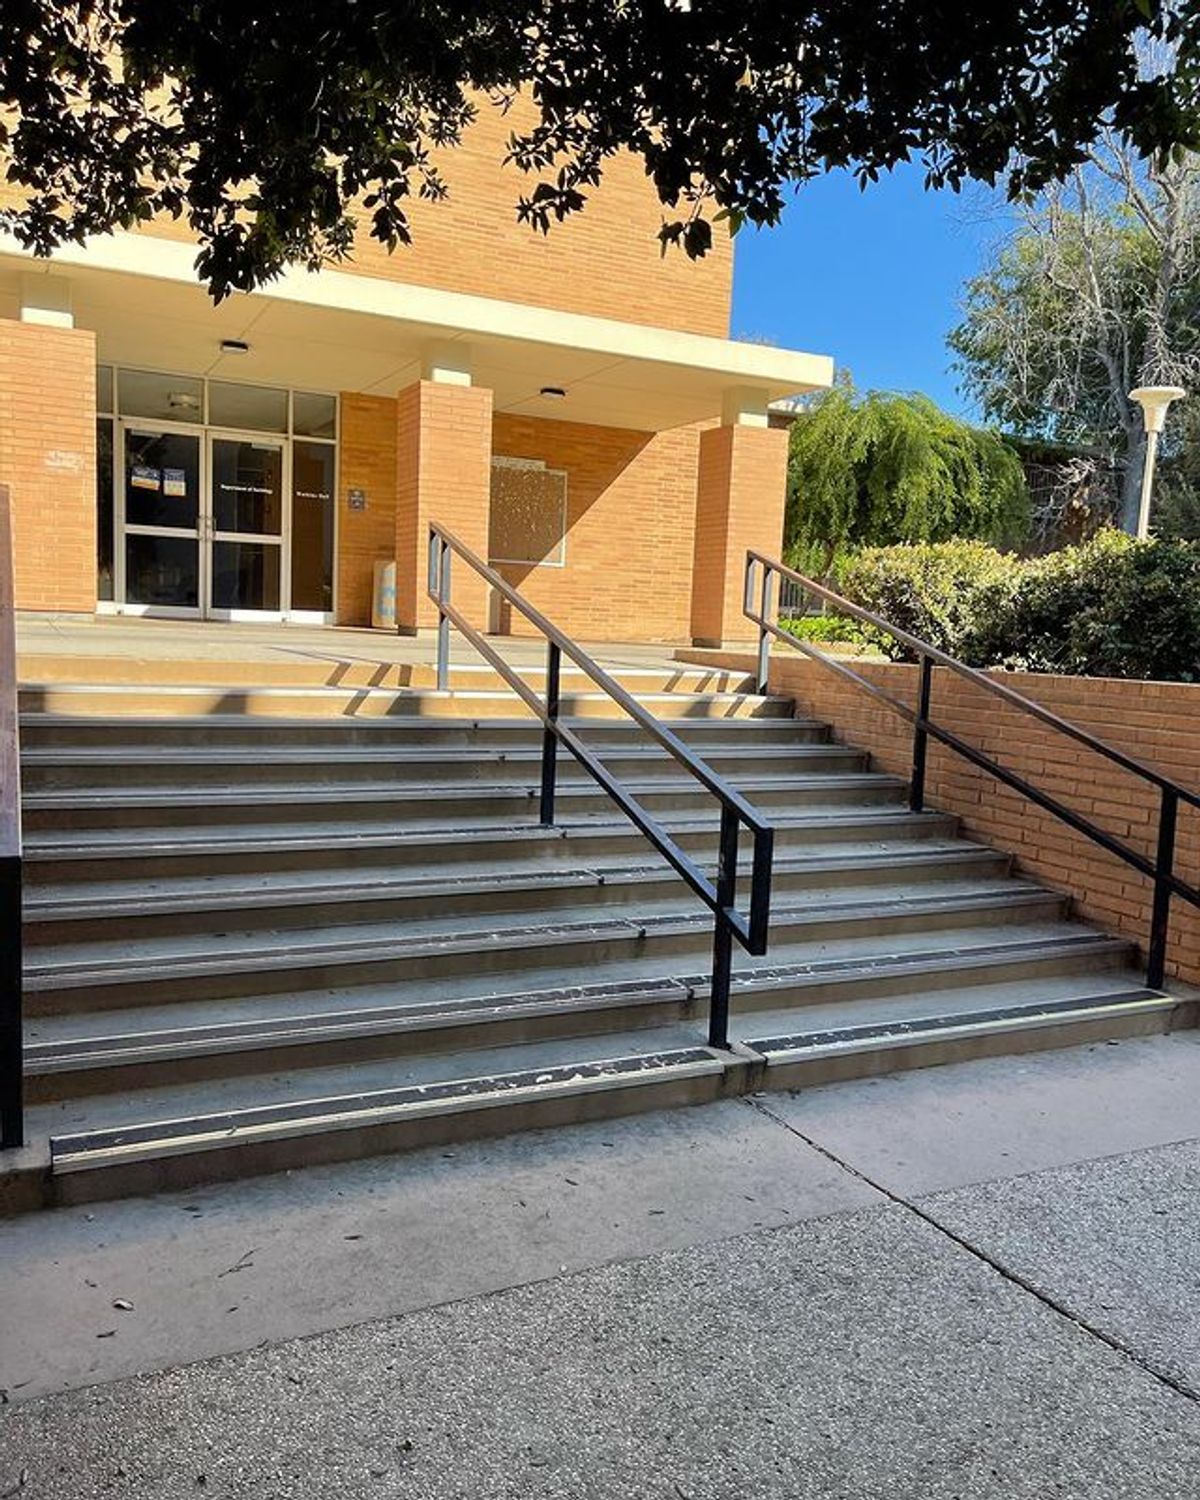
(12, 1114)
(720, 896)
(1160, 869)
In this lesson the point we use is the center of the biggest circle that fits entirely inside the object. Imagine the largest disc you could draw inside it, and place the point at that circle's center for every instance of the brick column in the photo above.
(443, 473)
(367, 462)
(740, 493)
(48, 461)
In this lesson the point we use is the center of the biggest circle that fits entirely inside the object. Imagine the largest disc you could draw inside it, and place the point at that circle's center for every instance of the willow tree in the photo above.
(880, 468)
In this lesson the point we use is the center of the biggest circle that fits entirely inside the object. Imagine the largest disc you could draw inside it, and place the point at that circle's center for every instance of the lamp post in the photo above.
(1154, 400)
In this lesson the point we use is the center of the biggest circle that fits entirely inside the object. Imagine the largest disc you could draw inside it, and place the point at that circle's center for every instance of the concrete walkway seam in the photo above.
(1002, 1270)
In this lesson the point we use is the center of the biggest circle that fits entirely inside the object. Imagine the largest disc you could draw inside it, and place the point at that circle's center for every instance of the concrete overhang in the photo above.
(338, 331)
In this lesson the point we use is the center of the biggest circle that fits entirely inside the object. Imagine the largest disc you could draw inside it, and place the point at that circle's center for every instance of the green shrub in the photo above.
(839, 629)
(939, 591)
(1112, 607)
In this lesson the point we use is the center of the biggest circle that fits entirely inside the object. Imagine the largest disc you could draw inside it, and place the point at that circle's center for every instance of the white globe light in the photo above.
(1154, 400)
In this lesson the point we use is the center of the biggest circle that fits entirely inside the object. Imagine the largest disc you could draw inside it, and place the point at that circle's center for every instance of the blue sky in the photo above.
(872, 278)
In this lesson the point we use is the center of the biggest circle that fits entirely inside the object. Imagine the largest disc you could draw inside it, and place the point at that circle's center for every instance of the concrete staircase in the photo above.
(269, 926)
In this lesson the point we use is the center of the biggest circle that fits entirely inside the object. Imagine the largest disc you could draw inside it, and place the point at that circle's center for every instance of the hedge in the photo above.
(1113, 607)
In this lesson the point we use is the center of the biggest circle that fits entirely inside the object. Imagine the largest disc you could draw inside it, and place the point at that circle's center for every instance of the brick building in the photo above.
(570, 405)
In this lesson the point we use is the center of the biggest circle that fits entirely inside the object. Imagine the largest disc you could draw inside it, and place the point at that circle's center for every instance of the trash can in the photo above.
(383, 597)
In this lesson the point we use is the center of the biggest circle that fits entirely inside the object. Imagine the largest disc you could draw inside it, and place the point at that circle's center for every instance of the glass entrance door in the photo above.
(245, 526)
(162, 513)
(204, 521)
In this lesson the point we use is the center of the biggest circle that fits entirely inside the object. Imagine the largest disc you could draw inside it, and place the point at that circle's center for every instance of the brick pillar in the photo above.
(740, 493)
(443, 473)
(48, 461)
(367, 463)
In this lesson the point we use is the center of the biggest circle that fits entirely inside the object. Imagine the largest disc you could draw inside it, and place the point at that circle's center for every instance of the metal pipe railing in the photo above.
(12, 1113)
(720, 896)
(1160, 869)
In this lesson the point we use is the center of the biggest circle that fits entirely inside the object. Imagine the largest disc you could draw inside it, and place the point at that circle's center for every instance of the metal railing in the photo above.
(1160, 869)
(12, 1113)
(720, 896)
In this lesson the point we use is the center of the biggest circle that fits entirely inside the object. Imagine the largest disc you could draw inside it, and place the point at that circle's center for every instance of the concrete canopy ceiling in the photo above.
(341, 332)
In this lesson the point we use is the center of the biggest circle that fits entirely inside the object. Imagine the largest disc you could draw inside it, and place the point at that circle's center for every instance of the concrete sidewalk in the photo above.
(976, 1281)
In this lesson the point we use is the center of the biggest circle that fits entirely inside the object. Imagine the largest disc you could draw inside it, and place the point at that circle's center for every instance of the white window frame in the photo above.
(202, 429)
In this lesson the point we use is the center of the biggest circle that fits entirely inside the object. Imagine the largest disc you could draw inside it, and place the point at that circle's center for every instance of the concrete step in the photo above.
(73, 1055)
(187, 1133)
(981, 1028)
(55, 915)
(311, 919)
(139, 733)
(313, 669)
(313, 768)
(363, 1110)
(439, 804)
(155, 855)
(87, 700)
(266, 961)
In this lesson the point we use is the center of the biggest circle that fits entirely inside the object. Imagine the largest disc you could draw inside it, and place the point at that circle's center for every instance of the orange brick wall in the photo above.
(633, 507)
(48, 460)
(739, 504)
(605, 260)
(367, 461)
(443, 458)
(631, 499)
(1154, 721)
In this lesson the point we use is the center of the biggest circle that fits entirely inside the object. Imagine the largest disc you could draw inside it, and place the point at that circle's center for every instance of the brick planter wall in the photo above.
(1159, 722)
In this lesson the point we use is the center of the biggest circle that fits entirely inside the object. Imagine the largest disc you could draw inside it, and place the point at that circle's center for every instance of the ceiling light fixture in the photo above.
(234, 346)
(553, 392)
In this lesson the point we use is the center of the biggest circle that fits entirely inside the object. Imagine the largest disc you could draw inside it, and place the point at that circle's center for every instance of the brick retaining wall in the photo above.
(1159, 722)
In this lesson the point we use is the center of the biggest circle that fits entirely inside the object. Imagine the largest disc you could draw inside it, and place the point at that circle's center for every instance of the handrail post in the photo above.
(764, 635)
(1164, 865)
(12, 1126)
(549, 738)
(443, 598)
(916, 786)
(718, 1001)
(748, 586)
(760, 889)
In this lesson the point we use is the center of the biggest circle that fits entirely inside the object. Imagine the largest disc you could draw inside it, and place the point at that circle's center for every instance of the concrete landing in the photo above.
(80, 639)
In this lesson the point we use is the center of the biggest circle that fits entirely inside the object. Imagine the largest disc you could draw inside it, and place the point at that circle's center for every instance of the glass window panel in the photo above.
(247, 486)
(162, 570)
(170, 398)
(104, 508)
(528, 513)
(312, 526)
(259, 408)
(245, 575)
(314, 416)
(162, 479)
(104, 388)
